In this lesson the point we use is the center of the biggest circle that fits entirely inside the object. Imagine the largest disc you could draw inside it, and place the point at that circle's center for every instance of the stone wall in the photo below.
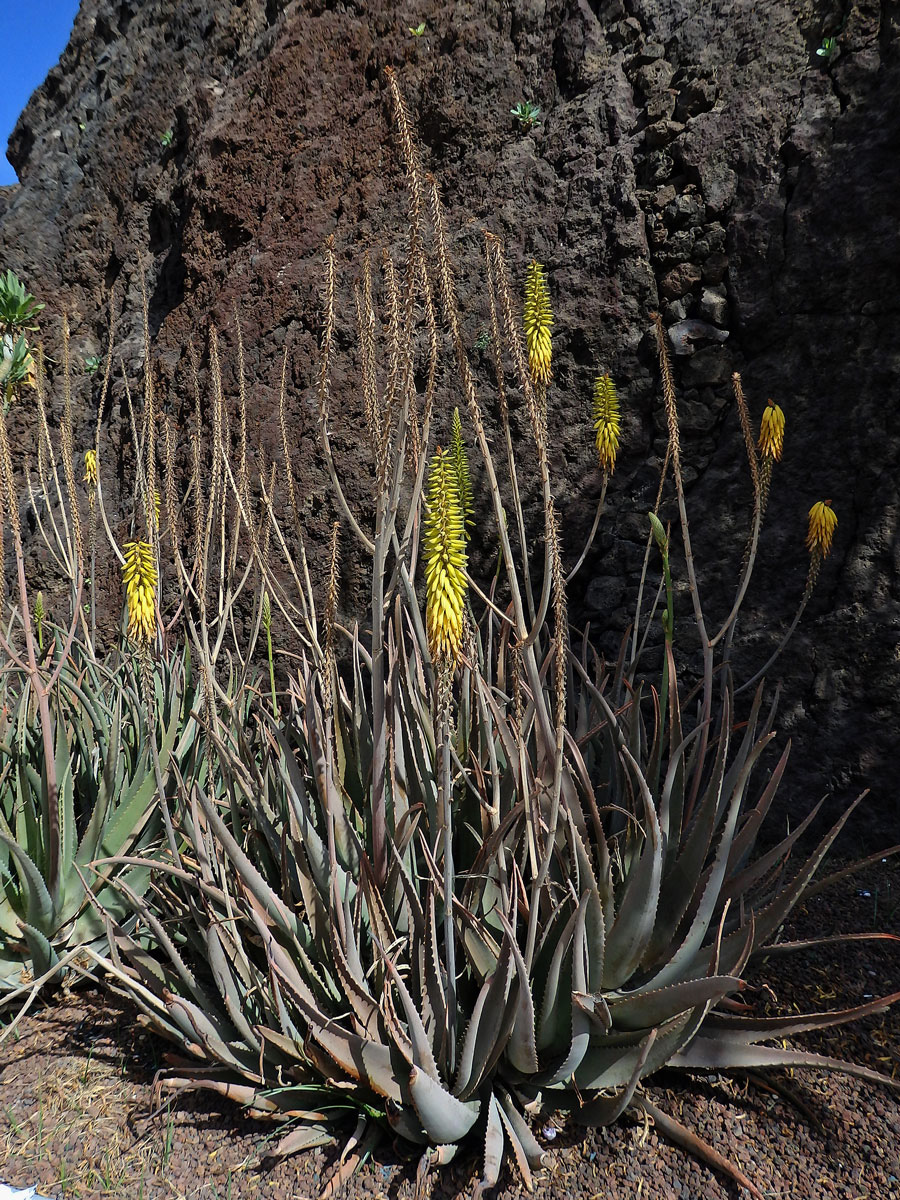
(698, 159)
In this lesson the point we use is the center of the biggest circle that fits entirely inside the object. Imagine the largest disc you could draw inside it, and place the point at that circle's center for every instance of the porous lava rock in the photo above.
(699, 159)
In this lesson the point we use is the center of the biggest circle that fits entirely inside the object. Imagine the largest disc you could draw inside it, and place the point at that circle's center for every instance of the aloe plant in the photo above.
(56, 878)
(18, 308)
(447, 895)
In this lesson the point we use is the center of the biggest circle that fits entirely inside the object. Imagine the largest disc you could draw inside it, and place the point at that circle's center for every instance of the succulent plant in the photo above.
(54, 889)
(526, 114)
(18, 308)
(472, 875)
(16, 362)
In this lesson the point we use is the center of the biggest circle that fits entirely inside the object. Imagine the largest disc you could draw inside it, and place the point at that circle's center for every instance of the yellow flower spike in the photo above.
(607, 424)
(538, 320)
(822, 524)
(139, 576)
(90, 468)
(157, 505)
(445, 561)
(771, 432)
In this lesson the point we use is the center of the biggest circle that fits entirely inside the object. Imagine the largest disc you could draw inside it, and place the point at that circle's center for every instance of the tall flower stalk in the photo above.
(445, 586)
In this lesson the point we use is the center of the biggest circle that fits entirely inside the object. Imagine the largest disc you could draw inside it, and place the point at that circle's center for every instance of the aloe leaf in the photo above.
(599, 884)
(65, 799)
(31, 811)
(307, 1137)
(674, 801)
(9, 918)
(645, 1008)
(217, 1041)
(89, 847)
(745, 838)
(131, 809)
(149, 918)
(750, 738)
(315, 977)
(680, 1136)
(860, 864)
(330, 803)
(289, 1047)
(518, 1150)
(671, 803)
(352, 981)
(248, 873)
(533, 1152)
(708, 1054)
(38, 904)
(521, 1049)
(481, 949)
(443, 1117)
(110, 900)
(381, 926)
(43, 955)
(580, 1023)
(604, 1110)
(487, 1026)
(741, 884)
(231, 994)
(406, 1125)
(421, 1047)
(775, 949)
(595, 1006)
(552, 1018)
(362, 728)
(747, 1030)
(692, 848)
(362, 1059)
(679, 887)
(774, 915)
(611, 1066)
(627, 939)
(434, 981)
(418, 748)
(493, 1149)
(295, 788)
(690, 946)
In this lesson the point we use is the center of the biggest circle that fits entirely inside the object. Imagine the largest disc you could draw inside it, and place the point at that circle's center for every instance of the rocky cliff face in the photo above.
(698, 159)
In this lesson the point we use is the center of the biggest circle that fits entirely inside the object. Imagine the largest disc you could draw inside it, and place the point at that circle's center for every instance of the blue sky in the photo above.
(33, 34)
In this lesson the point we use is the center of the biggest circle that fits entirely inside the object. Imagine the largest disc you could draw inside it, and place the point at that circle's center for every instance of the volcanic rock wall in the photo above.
(698, 159)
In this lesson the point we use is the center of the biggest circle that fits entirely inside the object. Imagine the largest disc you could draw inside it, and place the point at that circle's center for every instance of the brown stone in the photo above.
(679, 280)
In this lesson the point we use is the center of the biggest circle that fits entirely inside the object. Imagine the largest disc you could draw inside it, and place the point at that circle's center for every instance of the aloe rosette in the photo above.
(58, 884)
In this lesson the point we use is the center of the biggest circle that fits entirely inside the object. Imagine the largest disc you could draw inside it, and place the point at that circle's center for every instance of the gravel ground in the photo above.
(76, 1105)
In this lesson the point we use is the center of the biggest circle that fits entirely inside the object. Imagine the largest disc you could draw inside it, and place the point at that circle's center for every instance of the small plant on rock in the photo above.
(18, 310)
(526, 114)
(828, 48)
